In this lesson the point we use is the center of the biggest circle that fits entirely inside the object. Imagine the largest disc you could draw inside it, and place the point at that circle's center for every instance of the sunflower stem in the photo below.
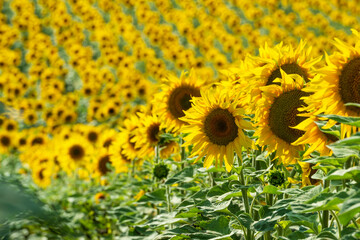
(249, 234)
(182, 153)
(168, 199)
(157, 154)
(337, 222)
(325, 217)
(133, 167)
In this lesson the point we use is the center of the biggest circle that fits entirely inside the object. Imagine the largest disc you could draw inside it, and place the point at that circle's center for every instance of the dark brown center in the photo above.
(284, 114)
(220, 127)
(349, 83)
(76, 152)
(179, 100)
(289, 68)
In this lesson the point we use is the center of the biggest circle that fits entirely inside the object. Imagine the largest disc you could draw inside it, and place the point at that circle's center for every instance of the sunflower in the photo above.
(313, 136)
(126, 138)
(6, 142)
(100, 163)
(339, 84)
(119, 160)
(216, 127)
(307, 173)
(148, 134)
(277, 113)
(43, 169)
(265, 68)
(75, 153)
(175, 98)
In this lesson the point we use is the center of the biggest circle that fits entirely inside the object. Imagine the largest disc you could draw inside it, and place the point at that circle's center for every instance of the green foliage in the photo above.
(191, 202)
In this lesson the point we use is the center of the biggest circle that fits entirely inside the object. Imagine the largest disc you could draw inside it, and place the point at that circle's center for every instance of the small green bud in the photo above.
(161, 171)
(276, 178)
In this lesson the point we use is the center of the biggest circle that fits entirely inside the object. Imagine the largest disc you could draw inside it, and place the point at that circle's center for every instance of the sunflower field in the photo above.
(179, 119)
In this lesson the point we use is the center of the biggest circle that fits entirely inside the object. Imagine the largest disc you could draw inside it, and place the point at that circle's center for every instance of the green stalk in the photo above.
(337, 222)
(325, 217)
(244, 196)
(168, 198)
(182, 153)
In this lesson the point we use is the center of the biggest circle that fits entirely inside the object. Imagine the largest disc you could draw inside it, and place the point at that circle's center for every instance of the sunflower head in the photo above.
(277, 115)
(175, 98)
(216, 127)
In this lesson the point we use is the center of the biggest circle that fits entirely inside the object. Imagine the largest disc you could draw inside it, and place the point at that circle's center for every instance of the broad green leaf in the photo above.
(350, 208)
(327, 235)
(245, 220)
(219, 224)
(353, 121)
(184, 175)
(265, 224)
(339, 174)
(155, 197)
(270, 189)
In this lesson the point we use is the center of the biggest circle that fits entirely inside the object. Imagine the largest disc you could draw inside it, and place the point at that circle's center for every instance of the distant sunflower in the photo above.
(119, 160)
(277, 114)
(126, 138)
(265, 68)
(148, 134)
(6, 142)
(175, 98)
(101, 162)
(340, 83)
(42, 171)
(75, 153)
(216, 128)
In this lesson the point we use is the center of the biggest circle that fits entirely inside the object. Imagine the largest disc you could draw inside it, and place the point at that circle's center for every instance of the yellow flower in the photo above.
(265, 68)
(175, 98)
(339, 84)
(277, 113)
(99, 197)
(216, 127)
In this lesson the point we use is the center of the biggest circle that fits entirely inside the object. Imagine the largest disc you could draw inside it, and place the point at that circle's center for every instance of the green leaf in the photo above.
(353, 121)
(219, 224)
(245, 220)
(265, 224)
(157, 196)
(185, 175)
(270, 189)
(339, 174)
(327, 235)
(350, 208)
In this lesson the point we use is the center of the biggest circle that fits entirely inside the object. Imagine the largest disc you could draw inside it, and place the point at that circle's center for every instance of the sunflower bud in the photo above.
(161, 171)
(276, 178)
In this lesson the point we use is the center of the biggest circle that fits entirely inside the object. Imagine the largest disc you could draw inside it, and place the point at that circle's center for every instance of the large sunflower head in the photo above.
(266, 68)
(216, 127)
(175, 98)
(339, 84)
(277, 114)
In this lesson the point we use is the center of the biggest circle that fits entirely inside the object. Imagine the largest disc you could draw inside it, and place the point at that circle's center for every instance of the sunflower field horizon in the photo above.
(179, 119)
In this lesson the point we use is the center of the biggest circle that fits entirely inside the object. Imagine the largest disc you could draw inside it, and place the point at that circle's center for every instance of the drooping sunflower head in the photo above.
(216, 127)
(277, 114)
(175, 98)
